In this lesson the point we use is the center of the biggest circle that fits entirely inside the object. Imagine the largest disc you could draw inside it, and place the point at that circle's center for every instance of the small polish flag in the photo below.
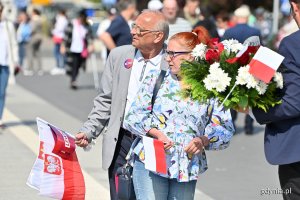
(155, 157)
(265, 63)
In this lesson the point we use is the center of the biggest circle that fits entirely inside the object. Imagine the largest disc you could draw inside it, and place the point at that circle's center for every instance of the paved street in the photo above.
(237, 173)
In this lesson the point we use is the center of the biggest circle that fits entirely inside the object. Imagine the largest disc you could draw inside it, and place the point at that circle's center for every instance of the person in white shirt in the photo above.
(58, 34)
(176, 24)
(8, 56)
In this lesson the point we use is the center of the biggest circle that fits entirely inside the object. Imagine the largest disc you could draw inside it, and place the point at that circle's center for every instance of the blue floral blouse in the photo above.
(181, 120)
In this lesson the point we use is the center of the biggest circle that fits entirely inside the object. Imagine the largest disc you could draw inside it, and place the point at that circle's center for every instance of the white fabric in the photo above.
(155, 5)
(50, 185)
(78, 36)
(136, 71)
(268, 57)
(150, 159)
(60, 25)
(4, 44)
(103, 26)
(180, 25)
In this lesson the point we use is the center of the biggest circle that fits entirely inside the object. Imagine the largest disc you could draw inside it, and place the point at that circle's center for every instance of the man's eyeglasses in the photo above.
(173, 54)
(140, 30)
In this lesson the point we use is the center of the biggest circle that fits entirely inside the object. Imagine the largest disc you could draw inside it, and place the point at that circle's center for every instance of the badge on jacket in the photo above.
(128, 63)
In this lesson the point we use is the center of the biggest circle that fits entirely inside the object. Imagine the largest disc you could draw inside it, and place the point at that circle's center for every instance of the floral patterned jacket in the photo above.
(181, 120)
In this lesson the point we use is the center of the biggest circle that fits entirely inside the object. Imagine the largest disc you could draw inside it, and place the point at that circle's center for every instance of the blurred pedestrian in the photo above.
(124, 72)
(264, 25)
(208, 22)
(34, 44)
(155, 5)
(222, 20)
(192, 11)
(23, 35)
(118, 33)
(58, 34)
(8, 56)
(177, 24)
(179, 123)
(282, 121)
(78, 38)
(103, 26)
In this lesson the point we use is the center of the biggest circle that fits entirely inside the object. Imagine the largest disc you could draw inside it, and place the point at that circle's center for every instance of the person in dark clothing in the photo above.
(208, 22)
(241, 31)
(118, 33)
(282, 139)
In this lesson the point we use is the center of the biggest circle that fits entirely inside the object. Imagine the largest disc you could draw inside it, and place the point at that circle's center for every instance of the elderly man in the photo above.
(124, 72)
(177, 24)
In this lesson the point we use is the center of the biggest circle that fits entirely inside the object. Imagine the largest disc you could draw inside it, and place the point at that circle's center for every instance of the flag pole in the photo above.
(229, 94)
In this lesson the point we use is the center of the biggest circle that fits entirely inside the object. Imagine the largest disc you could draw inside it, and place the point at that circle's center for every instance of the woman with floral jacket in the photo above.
(183, 125)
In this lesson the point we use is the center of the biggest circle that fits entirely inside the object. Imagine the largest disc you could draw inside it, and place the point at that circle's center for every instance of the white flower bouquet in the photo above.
(221, 71)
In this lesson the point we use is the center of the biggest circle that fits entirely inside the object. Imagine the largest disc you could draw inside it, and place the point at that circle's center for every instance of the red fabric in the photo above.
(57, 40)
(161, 165)
(73, 179)
(261, 71)
(117, 182)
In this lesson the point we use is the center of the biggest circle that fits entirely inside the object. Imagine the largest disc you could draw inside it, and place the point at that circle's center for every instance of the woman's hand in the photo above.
(196, 145)
(167, 142)
(154, 132)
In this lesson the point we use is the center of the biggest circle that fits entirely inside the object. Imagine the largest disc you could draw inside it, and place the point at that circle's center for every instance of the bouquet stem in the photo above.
(228, 94)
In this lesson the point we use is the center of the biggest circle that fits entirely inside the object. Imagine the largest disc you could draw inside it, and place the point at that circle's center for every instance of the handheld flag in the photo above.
(265, 63)
(56, 172)
(155, 158)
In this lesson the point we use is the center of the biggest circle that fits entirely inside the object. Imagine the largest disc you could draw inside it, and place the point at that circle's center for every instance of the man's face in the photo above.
(296, 12)
(143, 31)
(170, 10)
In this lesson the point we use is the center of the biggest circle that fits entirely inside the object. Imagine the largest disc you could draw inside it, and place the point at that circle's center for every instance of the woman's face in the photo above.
(176, 53)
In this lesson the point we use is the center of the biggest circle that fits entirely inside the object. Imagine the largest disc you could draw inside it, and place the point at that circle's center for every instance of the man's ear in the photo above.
(159, 36)
(295, 8)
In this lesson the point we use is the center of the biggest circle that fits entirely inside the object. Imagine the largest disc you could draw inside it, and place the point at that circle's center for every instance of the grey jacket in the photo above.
(107, 114)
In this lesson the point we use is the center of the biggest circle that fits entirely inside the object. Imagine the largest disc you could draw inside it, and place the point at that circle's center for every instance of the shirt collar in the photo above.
(154, 61)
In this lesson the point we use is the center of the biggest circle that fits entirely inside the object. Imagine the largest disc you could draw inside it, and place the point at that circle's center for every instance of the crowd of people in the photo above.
(140, 46)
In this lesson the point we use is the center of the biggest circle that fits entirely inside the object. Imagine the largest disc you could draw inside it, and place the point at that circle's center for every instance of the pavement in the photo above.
(237, 173)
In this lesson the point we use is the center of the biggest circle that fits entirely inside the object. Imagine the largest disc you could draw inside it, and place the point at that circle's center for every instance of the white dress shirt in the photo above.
(138, 74)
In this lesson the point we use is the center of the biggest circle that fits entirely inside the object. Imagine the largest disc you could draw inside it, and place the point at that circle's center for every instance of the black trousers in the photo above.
(248, 121)
(77, 61)
(289, 177)
(122, 148)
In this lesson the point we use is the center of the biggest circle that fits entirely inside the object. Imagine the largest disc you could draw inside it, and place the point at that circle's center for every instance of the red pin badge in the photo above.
(128, 63)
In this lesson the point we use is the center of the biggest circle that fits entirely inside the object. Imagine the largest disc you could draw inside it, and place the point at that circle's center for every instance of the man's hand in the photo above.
(81, 140)
(196, 145)
(243, 110)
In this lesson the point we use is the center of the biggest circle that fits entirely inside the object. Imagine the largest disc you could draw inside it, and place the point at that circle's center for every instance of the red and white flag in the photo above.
(155, 157)
(265, 63)
(56, 172)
